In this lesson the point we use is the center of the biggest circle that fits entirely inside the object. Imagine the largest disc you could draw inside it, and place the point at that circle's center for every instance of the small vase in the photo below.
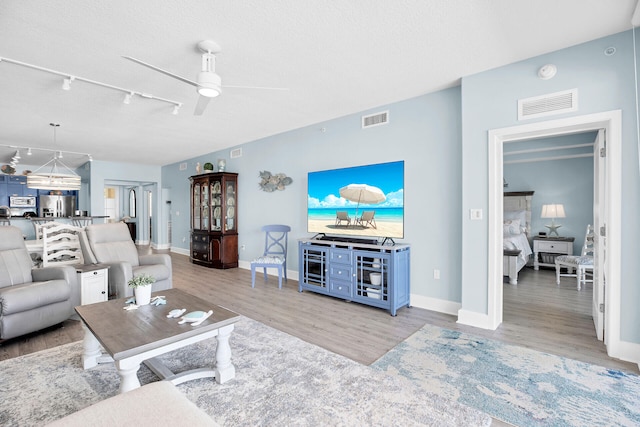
(142, 294)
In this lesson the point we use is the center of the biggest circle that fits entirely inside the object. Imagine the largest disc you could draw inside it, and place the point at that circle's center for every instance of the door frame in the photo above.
(611, 121)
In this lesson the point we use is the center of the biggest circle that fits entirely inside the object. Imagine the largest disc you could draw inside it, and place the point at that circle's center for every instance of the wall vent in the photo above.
(376, 119)
(183, 166)
(236, 152)
(546, 105)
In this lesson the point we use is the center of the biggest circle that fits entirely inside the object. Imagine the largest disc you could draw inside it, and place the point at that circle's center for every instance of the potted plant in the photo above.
(142, 288)
(208, 167)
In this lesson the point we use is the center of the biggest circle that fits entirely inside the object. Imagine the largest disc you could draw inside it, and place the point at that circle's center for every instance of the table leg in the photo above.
(224, 368)
(128, 372)
(91, 349)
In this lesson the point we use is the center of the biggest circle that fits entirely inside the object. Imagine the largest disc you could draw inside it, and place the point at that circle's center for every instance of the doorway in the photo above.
(611, 123)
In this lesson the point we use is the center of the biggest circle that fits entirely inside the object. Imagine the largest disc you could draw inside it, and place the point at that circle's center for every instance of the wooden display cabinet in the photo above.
(214, 220)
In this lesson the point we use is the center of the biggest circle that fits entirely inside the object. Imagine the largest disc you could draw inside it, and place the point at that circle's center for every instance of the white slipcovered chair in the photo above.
(582, 264)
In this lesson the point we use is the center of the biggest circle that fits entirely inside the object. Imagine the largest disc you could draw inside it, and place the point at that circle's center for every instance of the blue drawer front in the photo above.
(338, 287)
(341, 255)
(343, 272)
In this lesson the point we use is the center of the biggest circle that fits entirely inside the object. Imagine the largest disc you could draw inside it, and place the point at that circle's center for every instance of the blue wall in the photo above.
(442, 137)
(568, 181)
(424, 132)
(489, 101)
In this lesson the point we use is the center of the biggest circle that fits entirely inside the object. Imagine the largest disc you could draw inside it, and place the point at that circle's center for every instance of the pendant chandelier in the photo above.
(54, 179)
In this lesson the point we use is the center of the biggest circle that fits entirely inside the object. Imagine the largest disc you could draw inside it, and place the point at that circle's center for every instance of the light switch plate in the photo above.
(475, 214)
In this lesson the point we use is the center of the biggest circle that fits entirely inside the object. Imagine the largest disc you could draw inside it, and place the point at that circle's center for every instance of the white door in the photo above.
(599, 226)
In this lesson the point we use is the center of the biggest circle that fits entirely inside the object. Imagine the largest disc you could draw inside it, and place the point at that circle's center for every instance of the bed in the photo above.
(516, 229)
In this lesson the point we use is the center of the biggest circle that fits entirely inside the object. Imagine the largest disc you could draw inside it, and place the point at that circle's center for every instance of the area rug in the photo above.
(280, 380)
(514, 384)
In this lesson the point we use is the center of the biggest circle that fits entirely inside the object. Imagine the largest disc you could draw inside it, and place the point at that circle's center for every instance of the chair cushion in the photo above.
(268, 260)
(575, 260)
(19, 298)
(112, 243)
(15, 267)
(158, 271)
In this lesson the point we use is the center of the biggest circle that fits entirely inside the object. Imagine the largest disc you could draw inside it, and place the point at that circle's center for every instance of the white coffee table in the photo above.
(131, 337)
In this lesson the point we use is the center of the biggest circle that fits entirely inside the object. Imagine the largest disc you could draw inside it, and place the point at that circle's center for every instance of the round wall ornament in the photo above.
(271, 183)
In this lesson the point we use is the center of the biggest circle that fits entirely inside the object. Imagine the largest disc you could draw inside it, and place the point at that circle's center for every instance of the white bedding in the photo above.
(521, 242)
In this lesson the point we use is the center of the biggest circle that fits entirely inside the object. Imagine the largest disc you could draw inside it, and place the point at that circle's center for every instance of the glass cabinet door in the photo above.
(216, 205)
(195, 220)
(231, 223)
(205, 207)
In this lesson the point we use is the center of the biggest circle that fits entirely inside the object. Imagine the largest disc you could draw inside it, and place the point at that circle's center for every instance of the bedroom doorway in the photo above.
(609, 184)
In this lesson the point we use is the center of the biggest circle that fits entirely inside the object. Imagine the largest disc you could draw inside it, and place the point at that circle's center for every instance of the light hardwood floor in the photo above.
(537, 314)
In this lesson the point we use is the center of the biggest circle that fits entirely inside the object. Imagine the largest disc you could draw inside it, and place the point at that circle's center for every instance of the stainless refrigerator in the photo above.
(57, 206)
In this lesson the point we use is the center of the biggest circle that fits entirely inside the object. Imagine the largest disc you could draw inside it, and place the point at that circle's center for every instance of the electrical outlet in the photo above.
(475, 214)
(436, 274)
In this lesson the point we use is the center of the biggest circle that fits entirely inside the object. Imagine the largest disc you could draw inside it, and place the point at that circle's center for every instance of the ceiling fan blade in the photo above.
(203, 101)
(165, 72)
(255, 87)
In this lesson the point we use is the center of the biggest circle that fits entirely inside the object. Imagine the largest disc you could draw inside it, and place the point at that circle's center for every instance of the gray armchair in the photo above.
(111, 244)
(32, 298)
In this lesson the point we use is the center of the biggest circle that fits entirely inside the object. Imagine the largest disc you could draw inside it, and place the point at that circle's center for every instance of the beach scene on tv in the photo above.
(366, 201)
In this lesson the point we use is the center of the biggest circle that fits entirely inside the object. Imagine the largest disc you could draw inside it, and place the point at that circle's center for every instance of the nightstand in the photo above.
(94, 283)
(545, 249)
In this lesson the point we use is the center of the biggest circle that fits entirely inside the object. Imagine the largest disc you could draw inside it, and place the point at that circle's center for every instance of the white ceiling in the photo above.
(336, 58)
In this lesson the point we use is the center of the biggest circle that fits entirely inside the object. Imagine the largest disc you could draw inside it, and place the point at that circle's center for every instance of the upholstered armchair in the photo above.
(32, 298)
(111, 244)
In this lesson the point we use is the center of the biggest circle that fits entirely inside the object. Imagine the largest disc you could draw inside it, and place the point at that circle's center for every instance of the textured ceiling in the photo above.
(335, 57)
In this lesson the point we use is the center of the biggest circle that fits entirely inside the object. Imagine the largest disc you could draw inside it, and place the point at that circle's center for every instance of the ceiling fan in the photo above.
(208, 83)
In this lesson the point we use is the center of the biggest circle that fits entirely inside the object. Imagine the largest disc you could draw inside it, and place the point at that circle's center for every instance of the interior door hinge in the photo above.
(601, 308)
(603, 231)
(603, 152)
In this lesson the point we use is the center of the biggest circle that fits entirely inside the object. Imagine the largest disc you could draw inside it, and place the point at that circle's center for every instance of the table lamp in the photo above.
(553, 212)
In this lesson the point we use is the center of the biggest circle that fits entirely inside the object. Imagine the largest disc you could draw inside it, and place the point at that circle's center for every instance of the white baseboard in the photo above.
(475, 319)
(181, 251)
(435, 304)
(160, 247)
(627, 351)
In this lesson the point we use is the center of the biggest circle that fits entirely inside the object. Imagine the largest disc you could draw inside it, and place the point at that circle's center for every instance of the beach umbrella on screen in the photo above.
(362, 193)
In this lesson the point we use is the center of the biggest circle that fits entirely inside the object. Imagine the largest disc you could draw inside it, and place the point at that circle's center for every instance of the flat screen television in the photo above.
(361, 201)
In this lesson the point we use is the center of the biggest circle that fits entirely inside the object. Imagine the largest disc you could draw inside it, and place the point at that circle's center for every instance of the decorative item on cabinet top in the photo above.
(271, 183)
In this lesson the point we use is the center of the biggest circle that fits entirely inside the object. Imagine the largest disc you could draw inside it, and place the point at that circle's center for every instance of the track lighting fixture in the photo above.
(59, 154)
(68, 79)
(29, 153)
(66, 83)
(127, 98)
(176, 109)
(89, 157)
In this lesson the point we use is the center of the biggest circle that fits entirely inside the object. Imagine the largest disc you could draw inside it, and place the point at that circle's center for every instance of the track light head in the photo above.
(90, 157)
(66, 83)
(127, 98)
(176, 109)
(29, 153)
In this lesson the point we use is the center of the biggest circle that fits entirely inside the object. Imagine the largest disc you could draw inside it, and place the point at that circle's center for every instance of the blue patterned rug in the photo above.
(514, 384)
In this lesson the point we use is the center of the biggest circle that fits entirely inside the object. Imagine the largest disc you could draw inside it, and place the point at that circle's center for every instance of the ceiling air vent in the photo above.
(546, 105)
(376, 119)
(236, 152)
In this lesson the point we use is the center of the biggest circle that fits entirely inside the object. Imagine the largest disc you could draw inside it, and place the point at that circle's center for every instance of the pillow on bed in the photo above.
(520, 216)
(511, 227)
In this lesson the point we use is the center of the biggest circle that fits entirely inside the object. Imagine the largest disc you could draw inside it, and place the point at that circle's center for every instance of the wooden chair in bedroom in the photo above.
(582, 264)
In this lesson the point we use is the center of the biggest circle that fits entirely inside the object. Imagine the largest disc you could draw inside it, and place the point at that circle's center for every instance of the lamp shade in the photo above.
(553, 211)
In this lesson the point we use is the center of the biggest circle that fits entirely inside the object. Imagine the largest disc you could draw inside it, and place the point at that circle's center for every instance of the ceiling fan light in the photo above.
(209, 84)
